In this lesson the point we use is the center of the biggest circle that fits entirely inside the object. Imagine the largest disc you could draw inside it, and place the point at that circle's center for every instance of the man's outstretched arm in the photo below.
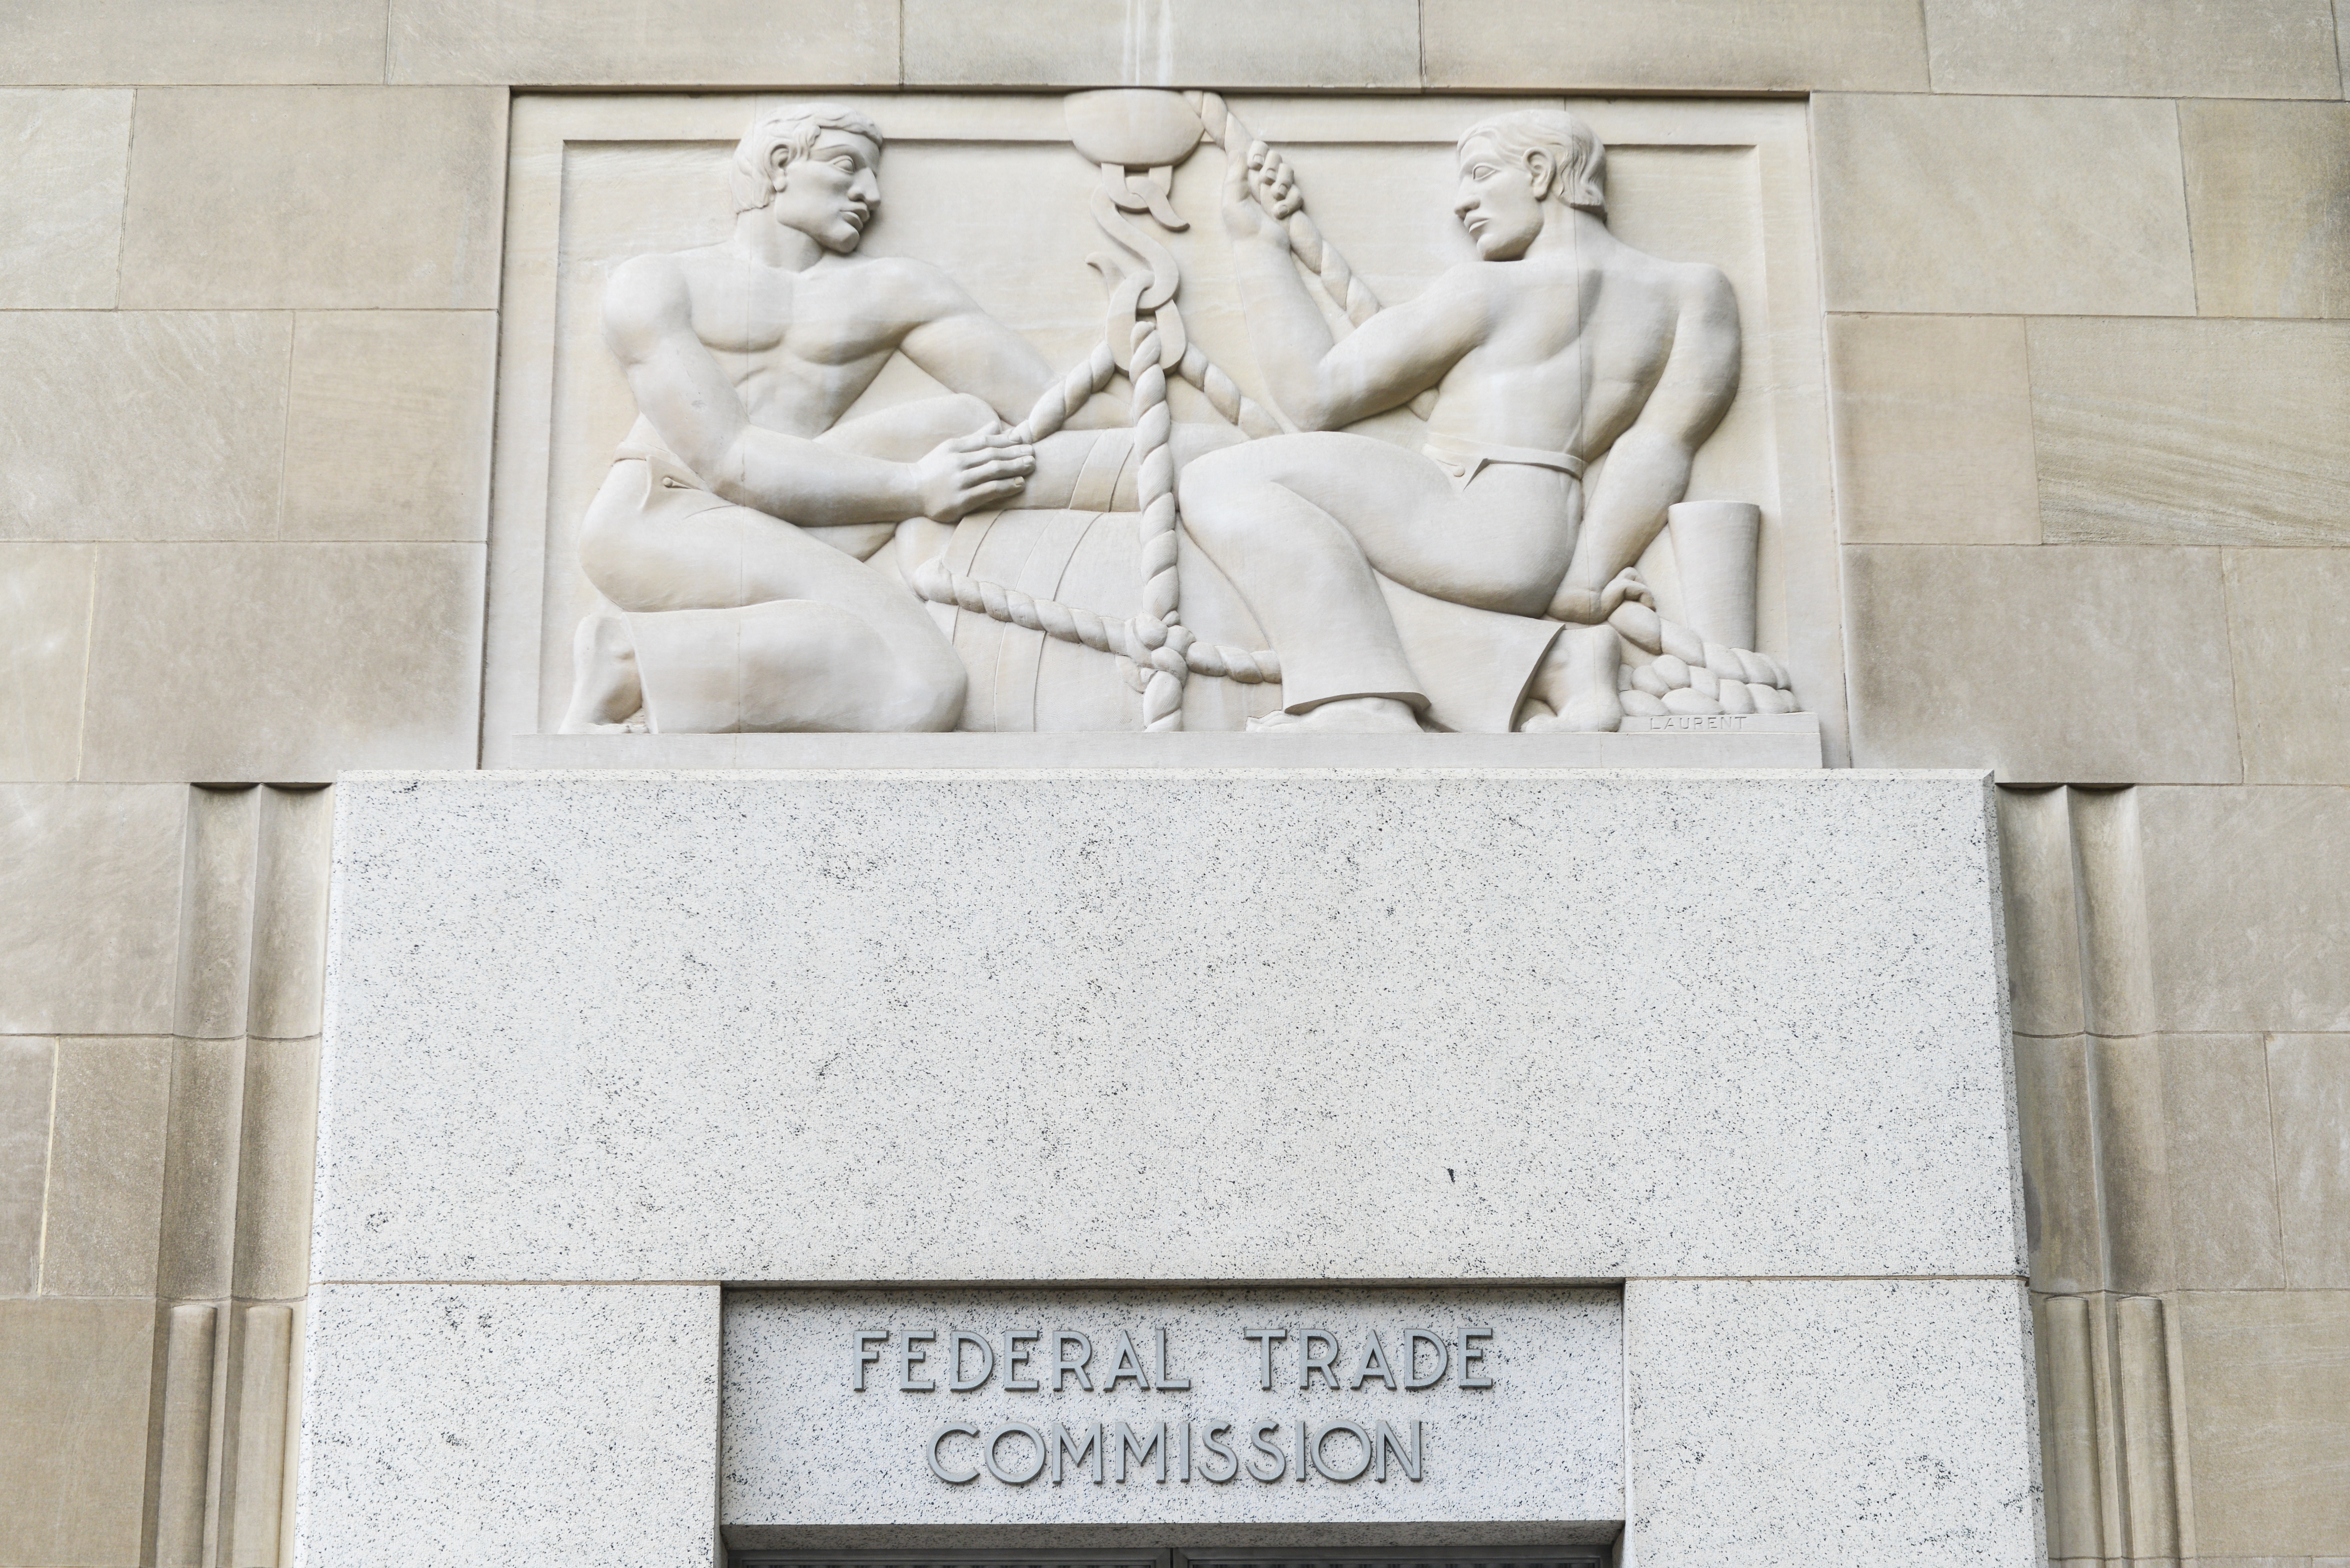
(1319, 382)
(679, 388)
(1649, 465)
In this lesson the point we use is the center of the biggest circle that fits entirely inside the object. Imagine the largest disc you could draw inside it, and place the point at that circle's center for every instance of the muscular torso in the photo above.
(1572, 350)
(799, 348)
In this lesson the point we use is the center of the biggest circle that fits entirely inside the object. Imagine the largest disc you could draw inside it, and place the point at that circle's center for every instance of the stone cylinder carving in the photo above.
(1714, 542)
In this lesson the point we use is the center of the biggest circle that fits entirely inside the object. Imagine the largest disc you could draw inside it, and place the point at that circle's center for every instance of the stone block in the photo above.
(2056, 1114)
(644, 43)
(2192, 432)
(106, 1167)
(2309, 1089)
(1543, 1447)
(1946, 674)
(200, 1169)
(2249, 914)
(27, 1068)
(2268, 204)
(2002, 205)
(498, 1403)
(89, 904)
(142, 425)
(2157, 48)
(2222, 1164)
(61, 208)
(1176, 43)
(2293, 673)
(44, 650)
(1833, 1398)
(2268, 1419)
(1933, 430)
(67, 42)
(2133, 1175)
(324, 197)
(1841, 46)
(387, 425)
(274, 1168)
(72, 1431)
(282, 662)
(1412, 970)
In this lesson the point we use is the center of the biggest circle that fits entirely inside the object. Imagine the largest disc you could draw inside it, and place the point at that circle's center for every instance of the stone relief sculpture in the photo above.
(772, 561)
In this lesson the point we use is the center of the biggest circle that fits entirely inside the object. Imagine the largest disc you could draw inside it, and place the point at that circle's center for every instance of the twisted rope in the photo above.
(1075, 623)
(1315, 254)
(1162, 696)
(1068, 395)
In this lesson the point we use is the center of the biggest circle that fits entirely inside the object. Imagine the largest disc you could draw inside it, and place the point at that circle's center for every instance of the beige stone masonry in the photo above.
(387, 425)
(2052, 663)
(284, 662)
(61, 205)
(72, 1431)
(1933, 430)
(28, 1084)
(643, 43)
(90, 880)
(106, 1167)
(45, 594)
(142, 424)
(2161, 48)
(2268, 1384)
(2251, 912)
(2192, 432)
(315, 198)
(1844, 46)
(294, 41)
(2309, 1087)
(2052, 205)
(2268, 201)
(2293, 670)
(1246, 43)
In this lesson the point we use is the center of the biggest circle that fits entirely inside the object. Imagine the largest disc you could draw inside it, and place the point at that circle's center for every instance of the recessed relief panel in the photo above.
(1140, 410)
(896, 1410)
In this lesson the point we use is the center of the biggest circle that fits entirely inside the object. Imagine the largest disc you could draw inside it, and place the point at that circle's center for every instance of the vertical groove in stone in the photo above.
(216, 914)
(252, 1541)
(289, 920)
(187, 1437)
(2043, 932)
(2144, 1386)
(2075, 1505)
(2119, 972)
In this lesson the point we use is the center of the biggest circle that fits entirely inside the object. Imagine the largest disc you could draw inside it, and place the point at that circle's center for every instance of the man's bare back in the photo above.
(1559, 345)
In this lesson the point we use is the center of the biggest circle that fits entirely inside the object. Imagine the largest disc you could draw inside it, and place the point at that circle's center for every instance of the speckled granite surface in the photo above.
(1204, 1026)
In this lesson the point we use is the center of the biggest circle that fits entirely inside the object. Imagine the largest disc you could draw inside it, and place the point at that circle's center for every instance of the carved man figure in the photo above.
(1558, 345)
(741, 494)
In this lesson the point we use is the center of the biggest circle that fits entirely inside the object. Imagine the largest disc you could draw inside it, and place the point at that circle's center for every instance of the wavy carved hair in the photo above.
(792, 133)
(1573, 147)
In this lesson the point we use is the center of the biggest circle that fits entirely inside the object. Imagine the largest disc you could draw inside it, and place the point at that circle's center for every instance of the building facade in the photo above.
(2067, 290)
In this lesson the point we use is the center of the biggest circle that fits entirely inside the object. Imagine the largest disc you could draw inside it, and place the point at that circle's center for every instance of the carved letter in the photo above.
(865, 1354)
(955, 1378)
(1413, 1338)
(1375, 1364)
(1218, 1451)
(1128, 1365)
(1309, 1363)
(1065, 1446)
(1280, 1461)
(1062, 1339)
(940, 1470)
(908, 1358)
(1264, 1338)
(1469, 1357)
(1390, 1439)
(1129, 1445)
(1165, 1381)
(1014, 1359)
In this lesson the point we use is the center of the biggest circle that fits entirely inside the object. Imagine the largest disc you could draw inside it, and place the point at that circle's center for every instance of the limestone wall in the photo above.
(2087, 271)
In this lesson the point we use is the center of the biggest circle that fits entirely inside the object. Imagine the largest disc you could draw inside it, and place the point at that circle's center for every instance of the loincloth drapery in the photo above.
(1462, 459)
(670, 486)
